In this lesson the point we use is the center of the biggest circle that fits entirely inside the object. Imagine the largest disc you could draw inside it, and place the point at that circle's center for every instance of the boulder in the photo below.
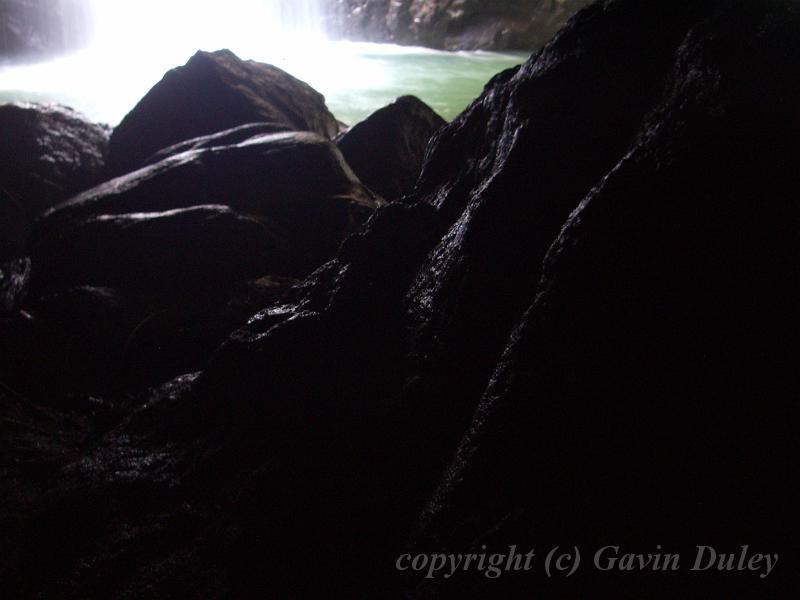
(454, 24)
(229, 137)
(439, 309)
(202, 249)
(132, 299)
(102, 340)
(14, 279)
(14, 227)
(213, 92)
(296, 184)
(649, 369)
(73, 339)
(386, 149)
(47, 154)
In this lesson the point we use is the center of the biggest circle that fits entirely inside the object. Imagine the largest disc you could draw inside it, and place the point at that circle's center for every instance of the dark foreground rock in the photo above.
(188, 251)
(454, 24)
(14, 227)
(386, 149)
(296, 184)
(14, 279)
(229, 137)
(575, 333)
(47, 154)
(213, 92)
(171, 272)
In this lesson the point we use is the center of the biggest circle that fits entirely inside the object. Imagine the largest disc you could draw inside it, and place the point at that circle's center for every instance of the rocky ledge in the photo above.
(454, 24)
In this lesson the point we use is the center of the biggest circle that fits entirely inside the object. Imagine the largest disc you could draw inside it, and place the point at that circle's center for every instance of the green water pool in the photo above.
(356, 78)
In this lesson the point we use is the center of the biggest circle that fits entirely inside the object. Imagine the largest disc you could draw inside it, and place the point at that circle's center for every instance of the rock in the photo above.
(14, 278)
(415, 313)
(185, 251)
(213, 92)
(649, 369)
(229, 137)
(455, 24)
(183, 269)
(102, 340)
(14, 228)
(386, 149)
(296, 184)
(75, 340)
(47, 154)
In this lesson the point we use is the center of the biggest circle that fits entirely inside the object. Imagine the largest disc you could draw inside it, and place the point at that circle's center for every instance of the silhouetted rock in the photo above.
(76, 339)
(187, 275)
(213, 92)
(47, 154)
(297, 184)
(386, 149)
(229, 137)
(649, 376)
(14, 277)
(454, 25)
(197, 250)
(425, 301)
(14, 226)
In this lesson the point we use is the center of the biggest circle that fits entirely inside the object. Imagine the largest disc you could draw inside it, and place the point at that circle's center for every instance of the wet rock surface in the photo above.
(141, 278)
(386, 149)
(213, 92)
(573, 332)
(229, 137)
(455, 24)
(47, 154)
(14, 280)
(197, 250)
(297, 184)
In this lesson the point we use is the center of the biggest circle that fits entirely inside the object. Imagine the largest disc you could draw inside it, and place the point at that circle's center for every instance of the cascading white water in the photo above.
(29, 29)
(135, 41)
(248, 27)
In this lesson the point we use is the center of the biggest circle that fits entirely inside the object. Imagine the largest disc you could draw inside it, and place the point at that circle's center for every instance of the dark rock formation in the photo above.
(229, 137)
(649, 378)
(188, 251)
(47, 154)
(386, 149)
(213, 92)
(594, 279)
(14, 226)
(14, 277)
(297, 184)
(182, 272)
(455, 24)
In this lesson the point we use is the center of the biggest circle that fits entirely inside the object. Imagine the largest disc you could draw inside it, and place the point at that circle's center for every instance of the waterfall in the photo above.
(140, 27)
(43, 27)
(246, 26)
(303, 16)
